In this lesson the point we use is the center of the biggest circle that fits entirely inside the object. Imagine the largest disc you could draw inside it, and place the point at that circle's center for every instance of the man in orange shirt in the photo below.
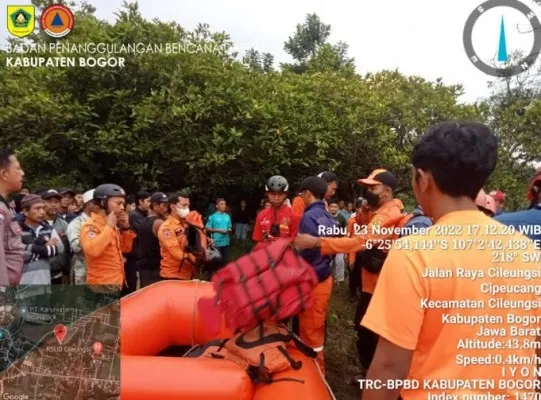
(105, 236)
(177, 263)
(433, 287)
(379, 195)
(277, 221)
(297, 205)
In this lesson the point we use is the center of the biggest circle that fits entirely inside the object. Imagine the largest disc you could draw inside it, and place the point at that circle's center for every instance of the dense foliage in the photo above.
(209, 121)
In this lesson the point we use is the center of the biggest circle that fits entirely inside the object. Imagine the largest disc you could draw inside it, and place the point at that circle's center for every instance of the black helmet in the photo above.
(277, 184)
(103, 192)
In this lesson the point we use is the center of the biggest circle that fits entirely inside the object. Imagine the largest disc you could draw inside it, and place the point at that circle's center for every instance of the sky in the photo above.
(417, 37)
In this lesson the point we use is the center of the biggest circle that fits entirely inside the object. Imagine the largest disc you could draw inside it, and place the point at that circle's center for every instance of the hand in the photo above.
(305, 241)
(124, 220)
(210, 242)
(53, 242)
(111, 220)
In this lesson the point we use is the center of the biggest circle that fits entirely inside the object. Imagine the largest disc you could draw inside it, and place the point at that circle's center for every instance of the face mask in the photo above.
(183, 212)
(371, 198)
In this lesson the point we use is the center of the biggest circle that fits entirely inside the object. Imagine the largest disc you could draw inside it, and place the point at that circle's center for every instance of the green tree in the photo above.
(309, 48)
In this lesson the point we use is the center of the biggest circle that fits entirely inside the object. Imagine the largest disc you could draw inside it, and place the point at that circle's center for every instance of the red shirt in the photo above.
(284, 217)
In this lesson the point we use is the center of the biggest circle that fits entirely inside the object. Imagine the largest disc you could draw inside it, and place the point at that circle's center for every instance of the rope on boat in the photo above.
(324, 380)
(195, 301)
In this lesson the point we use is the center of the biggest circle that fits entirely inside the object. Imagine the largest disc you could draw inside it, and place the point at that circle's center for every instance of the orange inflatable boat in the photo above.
(164, 315)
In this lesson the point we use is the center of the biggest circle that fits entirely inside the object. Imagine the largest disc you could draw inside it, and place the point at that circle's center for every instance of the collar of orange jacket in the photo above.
(390, 204)
(98, 218)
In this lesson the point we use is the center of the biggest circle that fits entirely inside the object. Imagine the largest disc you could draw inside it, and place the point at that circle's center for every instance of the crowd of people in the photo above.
(59, 236)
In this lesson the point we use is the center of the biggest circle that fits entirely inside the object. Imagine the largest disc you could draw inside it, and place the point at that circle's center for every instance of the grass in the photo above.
(341, 358)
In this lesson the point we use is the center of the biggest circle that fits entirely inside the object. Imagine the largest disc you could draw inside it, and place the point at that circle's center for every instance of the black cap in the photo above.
(158, 198)
(380, 177)
(64, 190)
(316, 185)
(329, 176)
(49, 194)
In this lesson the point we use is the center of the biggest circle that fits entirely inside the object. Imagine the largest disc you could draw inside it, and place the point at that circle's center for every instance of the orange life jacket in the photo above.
(261, 351)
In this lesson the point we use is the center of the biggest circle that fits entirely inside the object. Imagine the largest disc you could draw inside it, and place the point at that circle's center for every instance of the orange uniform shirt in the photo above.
(389, 210)
(103, 247)
(297, 206)
(287, 221)
(425, 302)
(176, 262)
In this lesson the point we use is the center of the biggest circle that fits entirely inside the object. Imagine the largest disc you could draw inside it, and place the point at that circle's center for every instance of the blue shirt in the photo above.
(220, 220)
(419, 220)
(524, 221)
(315, 220)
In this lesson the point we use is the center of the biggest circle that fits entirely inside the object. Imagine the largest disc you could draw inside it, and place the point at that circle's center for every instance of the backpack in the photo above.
(271, 283)
(372, 260)
(261, 352)
(197, 242)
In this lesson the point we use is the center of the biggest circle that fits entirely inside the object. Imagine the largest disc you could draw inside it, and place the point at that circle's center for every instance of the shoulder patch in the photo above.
(166, 233)
(91, 234)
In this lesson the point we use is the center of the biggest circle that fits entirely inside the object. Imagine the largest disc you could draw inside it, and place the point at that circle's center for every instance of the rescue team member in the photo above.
(409, 307)
(527, 219)
(148, 245)
(78, 263)
(11, 245)
(379, 196)
(314, 221)
(297, 206)
(356, 224)
(105, 236)
(177, 262)
(277, 221)
(41, 241)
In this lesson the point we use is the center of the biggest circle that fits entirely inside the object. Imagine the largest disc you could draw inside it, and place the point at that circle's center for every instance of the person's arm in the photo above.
(229, 226)
(73, 233)
(95, 242)
(135, 221)
(127, 236)
(294, 226)
(258, 232)
(395, 314)
(210, 226)
(156, 226)
(59, 246)
(4, 278)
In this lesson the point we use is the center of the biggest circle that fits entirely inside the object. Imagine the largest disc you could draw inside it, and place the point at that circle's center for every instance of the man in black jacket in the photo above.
(148, 245)
(67, 198)
(142, 199)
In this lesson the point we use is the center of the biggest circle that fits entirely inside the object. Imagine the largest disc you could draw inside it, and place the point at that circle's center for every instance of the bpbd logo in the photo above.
(56, 21)
(503, 66)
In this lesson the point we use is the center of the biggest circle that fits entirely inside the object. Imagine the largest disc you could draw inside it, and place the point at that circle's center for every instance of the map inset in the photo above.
(59, 342)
